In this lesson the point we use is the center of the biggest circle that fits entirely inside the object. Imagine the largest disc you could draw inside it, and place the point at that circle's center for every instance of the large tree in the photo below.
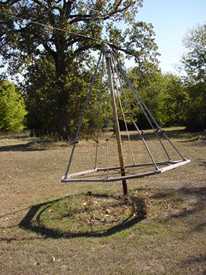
(67, 31)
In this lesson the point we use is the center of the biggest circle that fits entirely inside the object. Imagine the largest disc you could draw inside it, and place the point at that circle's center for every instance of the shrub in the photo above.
(12, 108)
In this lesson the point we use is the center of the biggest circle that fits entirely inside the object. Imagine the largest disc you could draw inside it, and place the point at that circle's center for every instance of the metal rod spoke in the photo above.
(123, 171)
(116, 121)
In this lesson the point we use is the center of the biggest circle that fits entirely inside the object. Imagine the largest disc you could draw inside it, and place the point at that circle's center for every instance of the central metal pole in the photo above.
(116, 121)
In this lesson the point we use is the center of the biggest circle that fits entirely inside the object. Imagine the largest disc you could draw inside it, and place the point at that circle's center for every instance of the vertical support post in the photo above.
(116, 121)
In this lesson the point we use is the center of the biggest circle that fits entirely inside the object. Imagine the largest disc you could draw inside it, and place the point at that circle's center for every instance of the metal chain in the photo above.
(122, 111)
(152, 122)
(79, 125)
(138, 130)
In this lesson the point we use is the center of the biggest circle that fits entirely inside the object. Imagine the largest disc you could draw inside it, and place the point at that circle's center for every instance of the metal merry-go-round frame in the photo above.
(76, 177)
(91, 175)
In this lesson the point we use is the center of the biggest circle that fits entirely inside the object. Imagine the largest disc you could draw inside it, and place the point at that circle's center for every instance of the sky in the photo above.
(172, 19)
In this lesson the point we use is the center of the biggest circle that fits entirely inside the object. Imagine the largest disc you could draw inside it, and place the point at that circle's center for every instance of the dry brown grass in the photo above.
(170, 240)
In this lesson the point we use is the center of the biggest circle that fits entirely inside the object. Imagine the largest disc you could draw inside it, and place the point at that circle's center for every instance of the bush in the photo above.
(12, 108)
(196, 111)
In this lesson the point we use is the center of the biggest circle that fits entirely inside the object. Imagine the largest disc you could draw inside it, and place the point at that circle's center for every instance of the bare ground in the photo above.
(171, 239)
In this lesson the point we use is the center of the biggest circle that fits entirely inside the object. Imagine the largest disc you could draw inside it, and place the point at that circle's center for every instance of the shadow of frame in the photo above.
(36, 211)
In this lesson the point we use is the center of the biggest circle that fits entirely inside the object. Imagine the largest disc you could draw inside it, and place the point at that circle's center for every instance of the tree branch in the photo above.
(88, 17)
(9, 2)
(49, 50)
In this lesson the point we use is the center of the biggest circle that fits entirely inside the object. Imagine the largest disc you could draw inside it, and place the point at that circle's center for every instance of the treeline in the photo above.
(172, 100)
(177, 100)
(56, 66)
(53, 44)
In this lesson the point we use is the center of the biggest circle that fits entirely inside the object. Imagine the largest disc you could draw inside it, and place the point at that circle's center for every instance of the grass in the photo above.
(50, 228)
(85, 216)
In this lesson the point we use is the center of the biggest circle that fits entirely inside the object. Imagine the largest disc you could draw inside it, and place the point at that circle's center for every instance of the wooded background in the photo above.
(52, 66)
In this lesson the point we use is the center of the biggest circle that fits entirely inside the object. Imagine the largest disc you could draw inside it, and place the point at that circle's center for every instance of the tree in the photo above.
(175, 100)
(196, 107)
(195, 59)
(164, 94)
(41, 99)
(12, 108)
(148, 84)
(60, 30)
(195, 67)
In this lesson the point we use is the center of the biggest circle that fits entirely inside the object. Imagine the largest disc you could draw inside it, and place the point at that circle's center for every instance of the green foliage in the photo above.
(98, 112)
(196, 107)
(44, 102)
(175, 101)
(12, 108)
(195, 67)
(144, 80)
(58, 94)
(164, 95)
(40, 96)
(195, 59)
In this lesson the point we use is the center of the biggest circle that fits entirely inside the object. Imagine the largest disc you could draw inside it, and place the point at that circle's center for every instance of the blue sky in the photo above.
(172, 19)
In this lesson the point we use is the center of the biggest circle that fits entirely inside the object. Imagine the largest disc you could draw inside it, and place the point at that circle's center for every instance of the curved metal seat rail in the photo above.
(79, 176)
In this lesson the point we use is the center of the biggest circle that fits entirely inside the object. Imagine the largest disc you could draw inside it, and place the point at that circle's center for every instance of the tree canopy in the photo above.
(195, 59)
(164, 94)
(195, 67)
(67, 29)
(12, 107)
(66, 32)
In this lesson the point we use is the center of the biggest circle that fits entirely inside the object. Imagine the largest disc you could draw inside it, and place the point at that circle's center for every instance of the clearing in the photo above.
(47, 227)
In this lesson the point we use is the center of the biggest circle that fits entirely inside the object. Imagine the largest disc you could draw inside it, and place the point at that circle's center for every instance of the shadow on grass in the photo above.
(193, 204)
(19, 239)
(171, 133)
(197, 191)
(200, 227)
(23, 135)
(24, 147)
(40, 145)
(37, 211)
(199, 260)
(194, 210)
(203, 163)
(194, 214)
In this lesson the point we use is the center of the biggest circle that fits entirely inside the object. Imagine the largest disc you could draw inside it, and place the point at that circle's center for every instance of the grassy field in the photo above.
(47, 227)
